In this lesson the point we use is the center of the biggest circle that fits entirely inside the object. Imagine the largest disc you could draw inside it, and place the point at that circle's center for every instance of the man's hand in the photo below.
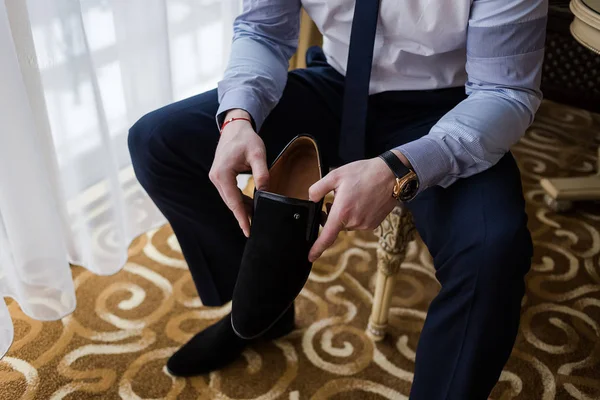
(239, 150)
(363, 198)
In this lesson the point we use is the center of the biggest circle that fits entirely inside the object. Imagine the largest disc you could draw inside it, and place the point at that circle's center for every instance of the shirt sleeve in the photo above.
(505, 51)
(265, 36)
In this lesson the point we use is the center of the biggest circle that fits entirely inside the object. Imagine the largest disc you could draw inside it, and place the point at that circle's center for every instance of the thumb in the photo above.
(260, 173)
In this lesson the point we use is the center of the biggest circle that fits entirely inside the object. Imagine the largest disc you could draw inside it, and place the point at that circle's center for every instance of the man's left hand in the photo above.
(362, 199)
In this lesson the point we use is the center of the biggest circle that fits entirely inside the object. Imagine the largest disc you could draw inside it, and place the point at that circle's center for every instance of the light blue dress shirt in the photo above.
(493, 47)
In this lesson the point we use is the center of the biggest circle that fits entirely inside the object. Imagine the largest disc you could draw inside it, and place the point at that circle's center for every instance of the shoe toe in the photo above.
(209, 350)
(179, 364)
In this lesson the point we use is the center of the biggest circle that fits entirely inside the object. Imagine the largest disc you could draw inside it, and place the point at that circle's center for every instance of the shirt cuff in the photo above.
(244, 99)
(428, 160)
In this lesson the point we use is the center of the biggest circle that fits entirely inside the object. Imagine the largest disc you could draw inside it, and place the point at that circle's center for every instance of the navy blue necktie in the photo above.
(358, 75)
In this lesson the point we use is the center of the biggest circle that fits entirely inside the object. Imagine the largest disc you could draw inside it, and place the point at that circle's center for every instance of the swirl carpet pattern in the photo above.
(114, 346)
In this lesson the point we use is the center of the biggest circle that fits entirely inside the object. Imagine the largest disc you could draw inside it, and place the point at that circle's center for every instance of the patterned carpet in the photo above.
(116, 343)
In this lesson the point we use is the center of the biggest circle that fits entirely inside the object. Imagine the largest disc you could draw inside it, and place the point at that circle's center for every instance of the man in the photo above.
(469, 207)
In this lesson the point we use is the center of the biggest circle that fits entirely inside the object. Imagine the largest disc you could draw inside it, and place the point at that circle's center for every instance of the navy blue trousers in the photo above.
(476, 229)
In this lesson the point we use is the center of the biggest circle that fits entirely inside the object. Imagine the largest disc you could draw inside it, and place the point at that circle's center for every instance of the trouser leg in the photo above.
(476, 231)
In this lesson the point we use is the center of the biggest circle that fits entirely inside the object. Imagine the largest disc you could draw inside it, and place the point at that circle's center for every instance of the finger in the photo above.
(328, 235)
(260, 172)
(217, 185)
(320, 189)
(233, 198)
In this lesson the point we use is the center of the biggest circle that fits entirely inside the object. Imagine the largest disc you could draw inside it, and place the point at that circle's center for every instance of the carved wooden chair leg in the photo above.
(394, 233)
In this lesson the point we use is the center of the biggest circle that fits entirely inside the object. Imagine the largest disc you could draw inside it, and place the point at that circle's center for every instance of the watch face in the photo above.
(409, 190)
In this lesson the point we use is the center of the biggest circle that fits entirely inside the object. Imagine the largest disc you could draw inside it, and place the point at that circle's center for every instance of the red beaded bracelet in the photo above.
(231, 120)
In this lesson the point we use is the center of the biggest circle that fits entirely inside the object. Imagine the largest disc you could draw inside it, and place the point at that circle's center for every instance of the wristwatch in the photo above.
(407, 183)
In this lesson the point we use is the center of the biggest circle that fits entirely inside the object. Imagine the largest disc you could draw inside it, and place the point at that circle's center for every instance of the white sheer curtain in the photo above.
(74, 75)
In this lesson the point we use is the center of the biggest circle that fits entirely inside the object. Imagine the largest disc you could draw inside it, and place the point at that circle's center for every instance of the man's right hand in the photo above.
(240, 149)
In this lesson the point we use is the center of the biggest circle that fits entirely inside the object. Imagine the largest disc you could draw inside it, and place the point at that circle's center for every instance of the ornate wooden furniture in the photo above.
(395, 232)
(561, 192)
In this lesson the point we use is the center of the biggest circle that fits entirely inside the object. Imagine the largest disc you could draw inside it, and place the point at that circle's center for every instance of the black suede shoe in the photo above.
(218, 346)
(285, 225)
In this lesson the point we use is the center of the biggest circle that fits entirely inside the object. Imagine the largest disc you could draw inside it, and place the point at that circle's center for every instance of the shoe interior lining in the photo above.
(296, 170)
